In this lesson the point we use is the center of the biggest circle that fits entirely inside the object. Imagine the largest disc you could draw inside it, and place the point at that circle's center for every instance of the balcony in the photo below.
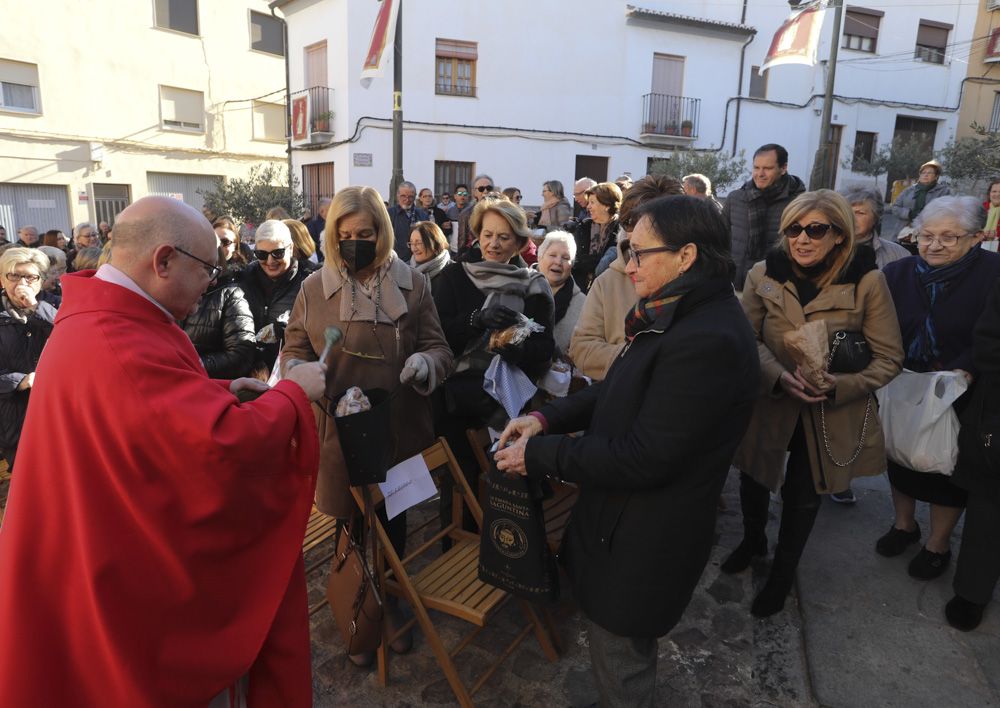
(669, 120)
(312, 115)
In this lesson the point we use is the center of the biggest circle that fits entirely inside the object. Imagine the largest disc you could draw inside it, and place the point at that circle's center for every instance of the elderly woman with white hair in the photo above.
(939, 294)
(271, 284)
(25, 326)
(555, 261)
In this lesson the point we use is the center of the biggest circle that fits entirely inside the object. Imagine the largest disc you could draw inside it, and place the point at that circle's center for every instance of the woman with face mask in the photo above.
(392, 339)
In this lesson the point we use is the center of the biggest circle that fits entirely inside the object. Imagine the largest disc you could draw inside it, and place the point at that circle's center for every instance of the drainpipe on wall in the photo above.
(739, 86)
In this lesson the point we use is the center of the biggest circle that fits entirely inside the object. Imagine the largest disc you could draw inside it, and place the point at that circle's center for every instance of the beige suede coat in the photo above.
(600, 332)
(406, 304)
(864, 305)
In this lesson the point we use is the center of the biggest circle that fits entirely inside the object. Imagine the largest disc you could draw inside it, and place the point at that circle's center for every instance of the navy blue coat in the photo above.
(955, 312)
(661, 431)
(401, 228)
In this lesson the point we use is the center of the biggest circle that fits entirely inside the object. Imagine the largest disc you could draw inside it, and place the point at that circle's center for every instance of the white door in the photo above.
(667, 89)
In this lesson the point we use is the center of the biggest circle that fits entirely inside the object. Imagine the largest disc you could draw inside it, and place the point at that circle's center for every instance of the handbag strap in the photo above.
(861, 443)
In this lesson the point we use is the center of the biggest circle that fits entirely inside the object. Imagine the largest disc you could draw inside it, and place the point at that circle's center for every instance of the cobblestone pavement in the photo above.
(716, 656)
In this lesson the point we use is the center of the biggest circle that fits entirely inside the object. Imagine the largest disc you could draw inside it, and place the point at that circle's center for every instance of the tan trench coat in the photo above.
(407, 302)
(773, 309)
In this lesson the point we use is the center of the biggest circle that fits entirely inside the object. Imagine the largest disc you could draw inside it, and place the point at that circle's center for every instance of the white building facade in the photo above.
(531, 91)
(103, 104)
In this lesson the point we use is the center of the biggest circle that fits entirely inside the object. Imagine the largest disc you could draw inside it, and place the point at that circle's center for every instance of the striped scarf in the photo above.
(650, 309)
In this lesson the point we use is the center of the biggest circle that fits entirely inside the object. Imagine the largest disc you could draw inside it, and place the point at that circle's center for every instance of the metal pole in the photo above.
(397, 107)
(822, 172)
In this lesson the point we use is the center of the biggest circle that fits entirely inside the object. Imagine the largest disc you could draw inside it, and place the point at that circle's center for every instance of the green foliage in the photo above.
(974, 158)
(901, 157)
(248, 200)
(719, 167)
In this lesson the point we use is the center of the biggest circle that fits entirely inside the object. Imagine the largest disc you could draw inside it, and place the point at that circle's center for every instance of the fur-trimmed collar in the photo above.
(779, 265)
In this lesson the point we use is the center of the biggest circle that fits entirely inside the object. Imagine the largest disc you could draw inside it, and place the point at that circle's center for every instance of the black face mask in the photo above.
(357, 255)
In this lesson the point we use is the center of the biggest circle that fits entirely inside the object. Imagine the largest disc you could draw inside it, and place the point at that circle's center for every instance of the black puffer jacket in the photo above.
(21, 344)
(222, 332)
(271, 303)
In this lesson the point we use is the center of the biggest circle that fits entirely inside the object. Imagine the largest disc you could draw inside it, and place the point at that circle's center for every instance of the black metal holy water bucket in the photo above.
(366, 439)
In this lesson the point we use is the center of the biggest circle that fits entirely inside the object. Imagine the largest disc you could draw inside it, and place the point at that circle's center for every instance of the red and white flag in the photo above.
(796, 40)
(383, 34)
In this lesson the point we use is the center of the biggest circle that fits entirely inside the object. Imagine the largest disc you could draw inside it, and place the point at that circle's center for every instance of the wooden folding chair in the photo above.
(449, 582)
(557, 508)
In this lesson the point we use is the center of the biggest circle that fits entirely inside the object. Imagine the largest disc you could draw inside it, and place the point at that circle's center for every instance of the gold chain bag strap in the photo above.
(838, 338)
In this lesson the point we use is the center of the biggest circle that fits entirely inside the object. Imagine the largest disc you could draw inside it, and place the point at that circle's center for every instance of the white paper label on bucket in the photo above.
(407, 484)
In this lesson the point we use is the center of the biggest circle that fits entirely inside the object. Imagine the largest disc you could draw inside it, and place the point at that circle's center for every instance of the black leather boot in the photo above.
(754, 500)
(796, 524)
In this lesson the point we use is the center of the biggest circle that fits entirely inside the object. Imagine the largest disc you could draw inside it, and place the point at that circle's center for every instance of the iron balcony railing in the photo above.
(670, 115)
(320, 108)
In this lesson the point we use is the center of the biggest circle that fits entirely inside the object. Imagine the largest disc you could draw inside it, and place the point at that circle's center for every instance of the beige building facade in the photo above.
(981, 96)
(104, 104)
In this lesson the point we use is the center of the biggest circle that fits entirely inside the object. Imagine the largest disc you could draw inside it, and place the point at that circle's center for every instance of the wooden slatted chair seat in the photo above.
(447, 583)
(319, 528)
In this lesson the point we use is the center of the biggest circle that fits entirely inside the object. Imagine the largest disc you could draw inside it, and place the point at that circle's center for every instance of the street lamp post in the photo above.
(822, 172)
(397, 107)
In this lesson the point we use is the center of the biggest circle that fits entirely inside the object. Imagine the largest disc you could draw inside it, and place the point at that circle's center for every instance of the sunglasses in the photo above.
(485, 188)
(262, 255)
(461, 194)
(517, 197)
(815, 231)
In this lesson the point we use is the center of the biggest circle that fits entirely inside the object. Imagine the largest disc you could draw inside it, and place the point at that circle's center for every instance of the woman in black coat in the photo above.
(476, 299)
(978, 568)
(25, 326)
(271, 283)
(221, 329)
(661, 430)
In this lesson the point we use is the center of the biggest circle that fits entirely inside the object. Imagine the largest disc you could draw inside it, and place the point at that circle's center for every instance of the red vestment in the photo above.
(151, 550)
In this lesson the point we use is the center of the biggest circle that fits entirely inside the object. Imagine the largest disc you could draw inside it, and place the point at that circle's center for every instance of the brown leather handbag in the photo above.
(353, 593)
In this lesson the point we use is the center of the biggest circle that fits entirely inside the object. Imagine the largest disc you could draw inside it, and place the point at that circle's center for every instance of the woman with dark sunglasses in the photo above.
(830, 433)
(271, 284)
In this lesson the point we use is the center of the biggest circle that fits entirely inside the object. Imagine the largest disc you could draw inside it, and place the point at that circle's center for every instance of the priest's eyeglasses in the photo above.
(212, 270)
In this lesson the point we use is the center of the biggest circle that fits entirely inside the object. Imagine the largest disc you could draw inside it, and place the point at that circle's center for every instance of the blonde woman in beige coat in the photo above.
(392, 339)
(829, 435)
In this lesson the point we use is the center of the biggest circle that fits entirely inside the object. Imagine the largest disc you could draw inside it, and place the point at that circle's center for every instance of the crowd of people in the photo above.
(668, 309)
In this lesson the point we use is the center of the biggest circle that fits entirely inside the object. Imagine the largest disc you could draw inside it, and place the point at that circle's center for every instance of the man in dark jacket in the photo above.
(481, 186)
(27, 236)
(753, 211)
(317, 225)
(404, 214)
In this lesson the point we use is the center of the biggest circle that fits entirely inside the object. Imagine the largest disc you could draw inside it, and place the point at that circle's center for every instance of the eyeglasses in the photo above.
(415, 244)
(461, 194)
(262, 255)
(212, 270)
(628, 253)
(815, 231)
(946, 241)
(484, 188)
(28, 278)
(579, 194)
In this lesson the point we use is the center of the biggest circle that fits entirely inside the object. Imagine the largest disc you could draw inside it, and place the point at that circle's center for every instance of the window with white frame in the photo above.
(455, 67)
(182, 109)
(268, 121)
(861, 29)
(19, 87)
(177, 15)
(266, 34)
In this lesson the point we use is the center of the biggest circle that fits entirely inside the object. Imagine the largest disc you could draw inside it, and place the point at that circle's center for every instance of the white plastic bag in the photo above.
(921, 427)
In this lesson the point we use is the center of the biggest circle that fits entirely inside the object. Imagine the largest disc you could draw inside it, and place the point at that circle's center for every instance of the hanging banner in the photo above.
(796, 40)
(382, 35)
(300, 118)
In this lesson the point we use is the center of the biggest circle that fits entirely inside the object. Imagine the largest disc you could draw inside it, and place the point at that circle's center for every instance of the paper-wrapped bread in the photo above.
(353, 401)
(809, 347)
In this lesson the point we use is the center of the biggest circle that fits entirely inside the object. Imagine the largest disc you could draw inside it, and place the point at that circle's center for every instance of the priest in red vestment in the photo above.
(151, 550)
